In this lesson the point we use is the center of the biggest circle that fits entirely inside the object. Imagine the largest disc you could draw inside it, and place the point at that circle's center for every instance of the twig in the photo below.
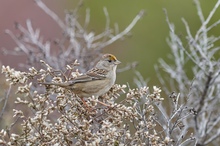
(51, 13)
(211, 139)
(202, 99)
(12, 124)
(124, 32)
(205, 22)
(6, 100)
(129, 66)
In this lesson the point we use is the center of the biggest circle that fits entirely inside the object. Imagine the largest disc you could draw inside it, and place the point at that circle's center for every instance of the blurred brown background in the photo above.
(148, 40)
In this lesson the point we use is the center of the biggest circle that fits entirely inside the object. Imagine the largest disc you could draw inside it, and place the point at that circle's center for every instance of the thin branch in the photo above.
(11, 126)
(179, 42)
(6, 100)
(211, 139)
(207, 19)
(201, 102)
(125, 31)
(51, 13)
(129, 66)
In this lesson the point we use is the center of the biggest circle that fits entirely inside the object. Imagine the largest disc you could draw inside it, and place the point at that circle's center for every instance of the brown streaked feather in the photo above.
(82, 78)
(97, 74)
(91, 75)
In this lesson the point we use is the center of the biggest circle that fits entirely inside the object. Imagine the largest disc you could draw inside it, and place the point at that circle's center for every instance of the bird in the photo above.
(96, 81)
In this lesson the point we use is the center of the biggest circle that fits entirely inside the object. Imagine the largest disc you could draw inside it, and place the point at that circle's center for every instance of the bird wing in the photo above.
(91, 75)
(82, 78)
(97, 74)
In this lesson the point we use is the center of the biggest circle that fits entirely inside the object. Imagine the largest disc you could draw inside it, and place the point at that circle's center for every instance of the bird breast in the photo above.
(93, 88)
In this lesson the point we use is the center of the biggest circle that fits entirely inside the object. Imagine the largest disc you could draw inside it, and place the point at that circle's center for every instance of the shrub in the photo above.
(52, 115)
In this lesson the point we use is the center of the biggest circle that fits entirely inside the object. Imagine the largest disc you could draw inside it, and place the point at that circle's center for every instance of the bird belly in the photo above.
(93, 88)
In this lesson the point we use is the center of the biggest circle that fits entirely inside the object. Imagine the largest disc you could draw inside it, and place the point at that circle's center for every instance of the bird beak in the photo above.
(117, 62)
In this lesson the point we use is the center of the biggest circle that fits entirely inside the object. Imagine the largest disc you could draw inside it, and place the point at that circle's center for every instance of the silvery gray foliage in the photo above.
(77, 43)
(52, 115)
(196, 107)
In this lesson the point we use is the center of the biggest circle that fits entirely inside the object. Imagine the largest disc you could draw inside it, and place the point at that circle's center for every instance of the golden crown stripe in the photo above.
(112, 57)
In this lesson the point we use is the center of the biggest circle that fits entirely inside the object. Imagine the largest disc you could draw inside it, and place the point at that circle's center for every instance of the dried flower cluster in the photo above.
(59, 117)
(50, 115)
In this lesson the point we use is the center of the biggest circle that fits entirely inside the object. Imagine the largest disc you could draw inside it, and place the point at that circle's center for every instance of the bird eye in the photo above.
(109, 61)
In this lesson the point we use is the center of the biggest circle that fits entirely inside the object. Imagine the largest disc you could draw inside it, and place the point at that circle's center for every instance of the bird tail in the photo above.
(56, 84)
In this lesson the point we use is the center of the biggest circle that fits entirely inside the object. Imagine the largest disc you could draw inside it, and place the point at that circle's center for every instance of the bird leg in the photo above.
(85, 104)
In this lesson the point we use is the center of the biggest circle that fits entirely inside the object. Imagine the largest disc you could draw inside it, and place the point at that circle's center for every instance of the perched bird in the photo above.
(95, 82)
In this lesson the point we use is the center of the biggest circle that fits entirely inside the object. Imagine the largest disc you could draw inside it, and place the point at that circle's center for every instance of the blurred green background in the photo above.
(146, 44)
(148, 41)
